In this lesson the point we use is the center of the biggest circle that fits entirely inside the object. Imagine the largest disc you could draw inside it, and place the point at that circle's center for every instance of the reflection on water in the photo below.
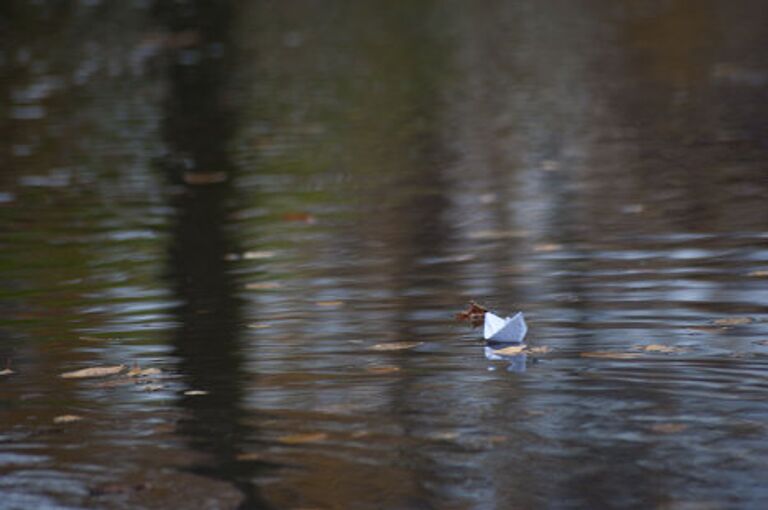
(282, 206)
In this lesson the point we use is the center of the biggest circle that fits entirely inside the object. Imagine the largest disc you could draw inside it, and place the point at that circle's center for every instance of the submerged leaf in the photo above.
(511, 350)
(86, 373)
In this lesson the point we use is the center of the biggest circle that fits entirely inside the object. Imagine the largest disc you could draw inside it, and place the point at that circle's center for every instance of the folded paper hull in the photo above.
(512, 329)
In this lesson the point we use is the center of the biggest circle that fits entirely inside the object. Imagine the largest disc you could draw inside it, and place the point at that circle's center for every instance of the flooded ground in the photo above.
(271, 211)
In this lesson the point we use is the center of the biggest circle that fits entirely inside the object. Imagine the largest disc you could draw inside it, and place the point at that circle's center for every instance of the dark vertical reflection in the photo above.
(199, 124)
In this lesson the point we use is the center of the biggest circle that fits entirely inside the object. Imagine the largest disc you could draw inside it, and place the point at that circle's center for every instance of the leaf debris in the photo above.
(395, 346)
(67, 418)
(474, 314)
(93, 372)
(310, 437)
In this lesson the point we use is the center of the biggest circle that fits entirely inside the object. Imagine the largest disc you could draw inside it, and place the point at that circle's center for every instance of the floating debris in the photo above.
(195, 393)
(395, 346)
(311, 437)
(475, 314)
(93, 372)
(734, 321)
(67, 418)
(137, 371)
(662, 349)
(382, 369)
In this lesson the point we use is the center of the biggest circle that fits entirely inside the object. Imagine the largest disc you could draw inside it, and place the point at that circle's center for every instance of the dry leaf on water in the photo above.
(659, 348)
(92, 372)
(734, 321)
(249, 457)
(543, 349)
(382, 369)
(258, 255)
(310, 437)
(492, 235)
(547, 247)
(263, 285)
(195, 393)
(610, 355)
(474, 314)
(758, 274)
(7, 371)
(137, 371)
(395, 346)
(67, 418)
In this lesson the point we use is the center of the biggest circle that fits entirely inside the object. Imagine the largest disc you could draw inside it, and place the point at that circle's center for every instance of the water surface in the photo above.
(258, 198)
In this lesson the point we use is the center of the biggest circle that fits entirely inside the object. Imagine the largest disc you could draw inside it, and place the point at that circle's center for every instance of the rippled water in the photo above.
(263, 199)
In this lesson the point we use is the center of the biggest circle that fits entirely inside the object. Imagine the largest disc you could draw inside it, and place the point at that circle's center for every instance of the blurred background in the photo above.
(281, 205)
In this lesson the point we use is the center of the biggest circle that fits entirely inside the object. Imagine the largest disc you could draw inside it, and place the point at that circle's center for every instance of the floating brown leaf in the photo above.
(395, 346)
(92, 372)
(610, 355)
(249, 457)
(263, 285)
(659, 348)
(734, 321)
(483, 235)
(137, 371)
(759, 274)
(67, 418)
(474, 314)
(310, 437)
(543, 349)
(547, 247)
(382, 369)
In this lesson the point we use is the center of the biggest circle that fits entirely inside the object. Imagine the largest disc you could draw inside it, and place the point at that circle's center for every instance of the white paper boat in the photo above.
(512, 329)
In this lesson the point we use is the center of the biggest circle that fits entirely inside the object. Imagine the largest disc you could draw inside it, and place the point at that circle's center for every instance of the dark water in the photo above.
(253, 196)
